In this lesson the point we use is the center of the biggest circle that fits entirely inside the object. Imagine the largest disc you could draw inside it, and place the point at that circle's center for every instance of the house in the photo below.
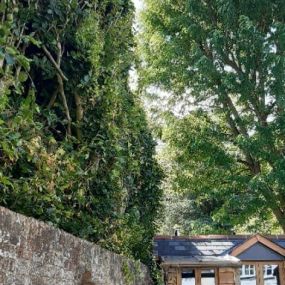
(221, 260)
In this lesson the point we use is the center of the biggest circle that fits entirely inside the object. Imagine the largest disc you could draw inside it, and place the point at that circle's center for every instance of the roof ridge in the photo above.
(229, 237)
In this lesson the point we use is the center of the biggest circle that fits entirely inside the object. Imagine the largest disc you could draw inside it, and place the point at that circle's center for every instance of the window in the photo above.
(271, 274)
(247, 271)
(248, 275)
(208, 277)
(260, 274)
(188, 277)
(268, 270)
(191, 276)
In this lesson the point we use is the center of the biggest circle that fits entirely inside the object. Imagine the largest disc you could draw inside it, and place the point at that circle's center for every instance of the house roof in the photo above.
(201, 261)
(203, 246)
(258, 239)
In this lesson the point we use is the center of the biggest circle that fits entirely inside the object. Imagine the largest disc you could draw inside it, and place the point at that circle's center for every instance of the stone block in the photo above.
(34, 253)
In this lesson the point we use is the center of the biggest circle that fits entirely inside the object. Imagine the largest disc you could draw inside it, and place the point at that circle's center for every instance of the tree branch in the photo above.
(57, 67)
(79, 115)
(235, 113)
(53, 98)
(65, 105)
(61, 87)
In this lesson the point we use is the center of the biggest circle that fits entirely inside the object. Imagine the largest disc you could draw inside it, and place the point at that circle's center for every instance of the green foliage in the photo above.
(130, 273)
(225, 59)
(221, 196)
(75, 148)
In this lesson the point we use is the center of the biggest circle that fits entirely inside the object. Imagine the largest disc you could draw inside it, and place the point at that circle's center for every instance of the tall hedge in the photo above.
(75, 149)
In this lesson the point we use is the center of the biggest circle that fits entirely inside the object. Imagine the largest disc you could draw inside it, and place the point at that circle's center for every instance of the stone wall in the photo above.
(35, 253)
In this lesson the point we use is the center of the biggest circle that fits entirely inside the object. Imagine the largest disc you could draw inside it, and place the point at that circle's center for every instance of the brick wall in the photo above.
(35, 253)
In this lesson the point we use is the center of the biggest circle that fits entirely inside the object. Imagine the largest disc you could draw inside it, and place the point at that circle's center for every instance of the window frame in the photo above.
(259, 265)
(198, 271)
(248, 268)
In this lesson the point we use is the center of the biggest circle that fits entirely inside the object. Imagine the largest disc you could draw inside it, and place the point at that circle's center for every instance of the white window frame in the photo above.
(248, 270)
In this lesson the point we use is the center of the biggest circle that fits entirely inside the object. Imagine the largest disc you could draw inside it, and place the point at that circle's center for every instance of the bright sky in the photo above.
(138, 4)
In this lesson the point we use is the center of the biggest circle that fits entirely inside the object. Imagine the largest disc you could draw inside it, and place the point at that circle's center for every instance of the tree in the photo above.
(228, 58)
(208, 189)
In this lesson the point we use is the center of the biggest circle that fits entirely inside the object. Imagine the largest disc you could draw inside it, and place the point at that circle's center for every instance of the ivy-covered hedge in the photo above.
(75, 149)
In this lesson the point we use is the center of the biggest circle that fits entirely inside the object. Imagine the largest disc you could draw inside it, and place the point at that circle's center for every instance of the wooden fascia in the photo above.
(255, 239)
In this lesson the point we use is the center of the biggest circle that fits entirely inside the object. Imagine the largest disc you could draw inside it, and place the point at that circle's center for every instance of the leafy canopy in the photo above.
(225, 60)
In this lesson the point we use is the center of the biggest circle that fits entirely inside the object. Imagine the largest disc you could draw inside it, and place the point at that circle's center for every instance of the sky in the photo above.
(138, 4)
(133, 74)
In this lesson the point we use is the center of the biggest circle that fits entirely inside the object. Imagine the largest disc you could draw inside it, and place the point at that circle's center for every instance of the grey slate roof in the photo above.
(280, 242)
(202, 246)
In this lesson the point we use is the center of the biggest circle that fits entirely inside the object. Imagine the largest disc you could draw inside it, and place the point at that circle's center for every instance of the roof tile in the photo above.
(202, 246)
